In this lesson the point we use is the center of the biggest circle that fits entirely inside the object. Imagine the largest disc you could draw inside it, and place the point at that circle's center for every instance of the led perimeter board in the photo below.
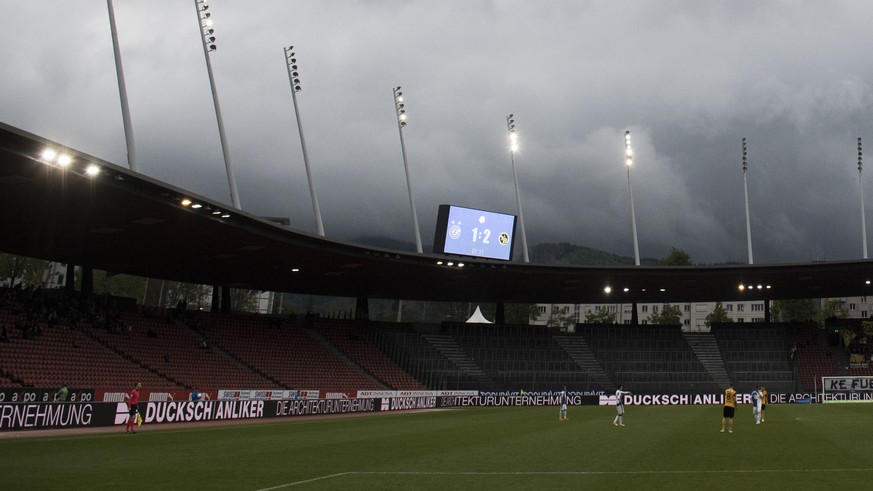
(471, 232)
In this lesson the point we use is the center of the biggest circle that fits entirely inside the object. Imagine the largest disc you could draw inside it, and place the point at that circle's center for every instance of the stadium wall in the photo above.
(31, 414)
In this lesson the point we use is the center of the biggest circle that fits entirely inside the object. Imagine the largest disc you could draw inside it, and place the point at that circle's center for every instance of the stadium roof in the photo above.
(125, 222)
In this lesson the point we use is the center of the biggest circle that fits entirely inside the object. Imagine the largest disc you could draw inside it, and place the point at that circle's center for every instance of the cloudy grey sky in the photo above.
(689, 79)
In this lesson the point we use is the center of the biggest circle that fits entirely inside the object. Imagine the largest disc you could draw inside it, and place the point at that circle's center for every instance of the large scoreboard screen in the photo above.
(471, 232)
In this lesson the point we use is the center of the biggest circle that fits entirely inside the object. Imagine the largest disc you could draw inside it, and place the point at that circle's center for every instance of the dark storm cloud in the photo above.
(689, 79)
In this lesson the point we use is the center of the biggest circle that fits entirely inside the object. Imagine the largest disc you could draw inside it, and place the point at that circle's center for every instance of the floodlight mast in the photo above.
(208, 42)
(746, 191)
(122, 91)
(400, 109)
(628, 161)
(863, 217)
(513, 147)
(294, 79)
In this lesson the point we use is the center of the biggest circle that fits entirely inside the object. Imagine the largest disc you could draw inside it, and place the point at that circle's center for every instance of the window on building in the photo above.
(645, 308)
(687, 322)
(687, 308)
(863, 314)
(729, 307)
(757, 307)
(740, 319)
(542, 309)
(741, 307)
(853, 307)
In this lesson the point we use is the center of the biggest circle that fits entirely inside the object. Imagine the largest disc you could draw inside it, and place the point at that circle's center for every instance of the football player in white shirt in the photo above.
(619, 406)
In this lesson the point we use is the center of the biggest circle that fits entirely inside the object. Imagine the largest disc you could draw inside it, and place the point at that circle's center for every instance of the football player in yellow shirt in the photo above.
(763, 402)
(730, 406)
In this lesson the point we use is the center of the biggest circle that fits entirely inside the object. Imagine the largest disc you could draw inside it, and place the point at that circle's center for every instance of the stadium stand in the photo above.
(648, 359)
(811, 356)
(168, 349)
(519, 357)
(59, 356)
(285, 352)
(432, 358)
(176, 353)
(757, 354)
(346, 337)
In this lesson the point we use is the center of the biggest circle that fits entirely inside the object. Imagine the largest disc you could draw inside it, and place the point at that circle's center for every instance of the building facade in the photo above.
(693, 313)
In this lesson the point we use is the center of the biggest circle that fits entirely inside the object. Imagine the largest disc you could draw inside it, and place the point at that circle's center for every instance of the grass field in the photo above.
(673, 447)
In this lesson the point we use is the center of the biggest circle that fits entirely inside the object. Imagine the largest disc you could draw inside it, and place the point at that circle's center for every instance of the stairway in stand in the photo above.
(705, 347)
(581, 353)
(450, 348)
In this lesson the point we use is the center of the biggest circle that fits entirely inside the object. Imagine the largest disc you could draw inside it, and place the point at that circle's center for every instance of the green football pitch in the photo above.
(666, 447)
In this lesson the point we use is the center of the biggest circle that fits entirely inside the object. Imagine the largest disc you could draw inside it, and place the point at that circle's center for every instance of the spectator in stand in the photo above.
(132, 399)
(197, 396)
(4, 335)
(61, 394)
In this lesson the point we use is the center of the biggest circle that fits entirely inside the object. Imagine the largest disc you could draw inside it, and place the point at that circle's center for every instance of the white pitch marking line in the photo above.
(558, 473)
(289, 484)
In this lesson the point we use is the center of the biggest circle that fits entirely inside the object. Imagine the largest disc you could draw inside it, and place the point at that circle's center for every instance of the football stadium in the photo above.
(156, 338)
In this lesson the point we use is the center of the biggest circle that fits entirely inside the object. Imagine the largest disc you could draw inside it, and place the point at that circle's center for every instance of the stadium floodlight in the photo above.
(92, 170)
(64, 160)
(863, 217)
(294, 80)
(400, 109)
(628, 162)
(513, 148)
(628, 152)
(204, 20)
(746, 192)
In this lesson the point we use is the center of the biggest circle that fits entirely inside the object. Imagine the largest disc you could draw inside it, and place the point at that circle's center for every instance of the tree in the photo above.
(668, 316)
(561, 317)
(192, 294)
(600, 316)
(718, 315)
(22, 270)
(799, 310)
(520, 313)
(243, 300)
(119, 285)
(677, 257)
(832, 309)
